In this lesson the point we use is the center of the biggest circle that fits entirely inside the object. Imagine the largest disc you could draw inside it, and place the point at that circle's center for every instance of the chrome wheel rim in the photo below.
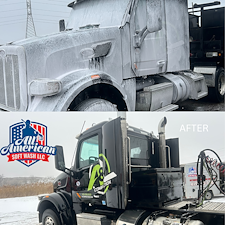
(49, 221)
(208, 195)
(221, 84)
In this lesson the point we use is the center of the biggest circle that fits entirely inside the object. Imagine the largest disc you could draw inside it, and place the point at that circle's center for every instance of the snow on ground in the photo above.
(23, 210)
(16, 211)
(219, 198)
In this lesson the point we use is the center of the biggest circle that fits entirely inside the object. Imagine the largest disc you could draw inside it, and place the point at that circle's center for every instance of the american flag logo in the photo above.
(16, 132)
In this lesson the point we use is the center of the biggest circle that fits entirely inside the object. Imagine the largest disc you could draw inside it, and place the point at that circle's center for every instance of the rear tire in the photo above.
(208, 195)
(219, 89)
(96, 104)
(49, 217)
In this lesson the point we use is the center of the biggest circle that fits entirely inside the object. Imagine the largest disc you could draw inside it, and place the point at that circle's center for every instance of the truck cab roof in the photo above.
(129, 128)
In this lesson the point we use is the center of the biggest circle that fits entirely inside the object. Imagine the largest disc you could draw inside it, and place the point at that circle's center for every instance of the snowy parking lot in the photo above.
(23, 210)
(16, 211)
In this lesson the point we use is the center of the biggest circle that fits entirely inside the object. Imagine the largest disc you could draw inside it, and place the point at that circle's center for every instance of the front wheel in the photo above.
(96, 104)
(50, 218)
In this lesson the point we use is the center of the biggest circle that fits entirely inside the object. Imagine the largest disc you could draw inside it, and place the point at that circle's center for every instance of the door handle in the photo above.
(161, 63)
(129, 160)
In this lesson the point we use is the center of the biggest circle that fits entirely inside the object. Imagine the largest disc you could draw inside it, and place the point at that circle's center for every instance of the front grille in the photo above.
(9, 82)
(13, 84)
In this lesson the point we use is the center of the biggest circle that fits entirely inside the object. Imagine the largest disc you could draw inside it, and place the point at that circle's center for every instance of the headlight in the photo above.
(44, 87)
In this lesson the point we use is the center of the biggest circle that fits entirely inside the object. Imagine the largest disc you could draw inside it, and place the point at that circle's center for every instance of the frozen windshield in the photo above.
(97, 13)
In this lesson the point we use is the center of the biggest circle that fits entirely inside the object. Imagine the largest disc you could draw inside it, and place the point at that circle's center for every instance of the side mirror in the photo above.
(59, 159)
(62, 26)
(154, 15)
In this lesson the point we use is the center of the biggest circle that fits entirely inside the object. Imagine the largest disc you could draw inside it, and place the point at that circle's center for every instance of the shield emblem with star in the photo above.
(40, 131)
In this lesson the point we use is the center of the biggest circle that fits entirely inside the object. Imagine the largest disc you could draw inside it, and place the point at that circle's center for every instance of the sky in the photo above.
(63, 127)
(46, 14)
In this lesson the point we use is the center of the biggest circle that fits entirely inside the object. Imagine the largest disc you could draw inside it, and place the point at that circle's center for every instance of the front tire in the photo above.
(96, 104)
(50, 218)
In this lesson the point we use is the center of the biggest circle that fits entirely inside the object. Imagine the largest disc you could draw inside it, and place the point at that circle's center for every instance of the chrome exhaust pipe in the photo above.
(162, 143)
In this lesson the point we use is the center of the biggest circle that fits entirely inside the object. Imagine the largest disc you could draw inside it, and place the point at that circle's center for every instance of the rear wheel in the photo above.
(219, 85)
(208, 195)
(50, 218)
(96, 104)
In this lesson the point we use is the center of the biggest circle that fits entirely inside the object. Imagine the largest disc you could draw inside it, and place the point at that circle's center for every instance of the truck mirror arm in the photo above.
(70, 172)
(140, 36)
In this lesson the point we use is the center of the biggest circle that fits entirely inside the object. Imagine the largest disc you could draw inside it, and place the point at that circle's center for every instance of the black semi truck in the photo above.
(206, 26)
(124, 175)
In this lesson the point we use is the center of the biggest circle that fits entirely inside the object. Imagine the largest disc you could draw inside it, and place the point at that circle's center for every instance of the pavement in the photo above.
(205, 104)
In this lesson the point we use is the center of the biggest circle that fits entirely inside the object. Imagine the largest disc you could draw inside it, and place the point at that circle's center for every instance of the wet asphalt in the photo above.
(204, 104)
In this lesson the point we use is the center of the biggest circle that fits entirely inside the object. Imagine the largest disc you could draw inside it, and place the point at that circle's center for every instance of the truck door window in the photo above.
(139, 148)
(89, 151)
(141, 16)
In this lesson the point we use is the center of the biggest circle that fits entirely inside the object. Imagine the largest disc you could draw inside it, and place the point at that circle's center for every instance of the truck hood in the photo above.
(55, 55)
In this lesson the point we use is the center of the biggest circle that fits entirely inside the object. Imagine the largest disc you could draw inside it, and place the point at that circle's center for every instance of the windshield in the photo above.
(97, 13)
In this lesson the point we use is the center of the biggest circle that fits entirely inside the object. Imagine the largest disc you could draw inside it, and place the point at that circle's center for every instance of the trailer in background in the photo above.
(191, 185)
(206, 28)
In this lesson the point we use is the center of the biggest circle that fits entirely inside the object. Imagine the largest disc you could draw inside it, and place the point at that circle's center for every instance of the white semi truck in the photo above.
(112, 55)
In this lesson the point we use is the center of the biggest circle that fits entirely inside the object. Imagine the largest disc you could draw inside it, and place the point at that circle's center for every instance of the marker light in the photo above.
(96, 76)
(44, 87)
(78, 195)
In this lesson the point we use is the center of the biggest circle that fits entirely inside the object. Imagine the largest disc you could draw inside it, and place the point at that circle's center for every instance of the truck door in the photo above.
(151, 56)
(87, 159)
(100, 167)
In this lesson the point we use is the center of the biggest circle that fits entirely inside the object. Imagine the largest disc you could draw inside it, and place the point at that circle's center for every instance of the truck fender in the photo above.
(72, 85)
(58, 203)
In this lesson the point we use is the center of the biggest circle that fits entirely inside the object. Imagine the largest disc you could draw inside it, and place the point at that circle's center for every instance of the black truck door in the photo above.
(87, 167)
(101, 168)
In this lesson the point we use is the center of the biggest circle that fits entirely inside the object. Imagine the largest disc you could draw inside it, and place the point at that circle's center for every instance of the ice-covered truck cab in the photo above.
(112, 55)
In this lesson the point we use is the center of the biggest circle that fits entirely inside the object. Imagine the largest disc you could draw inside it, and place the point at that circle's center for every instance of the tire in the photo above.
(96, 104)
(49, 217)
(219, 89)
(208, 195)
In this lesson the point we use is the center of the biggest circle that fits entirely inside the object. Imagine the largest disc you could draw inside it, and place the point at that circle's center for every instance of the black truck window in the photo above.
(139, 148)
(89, 151)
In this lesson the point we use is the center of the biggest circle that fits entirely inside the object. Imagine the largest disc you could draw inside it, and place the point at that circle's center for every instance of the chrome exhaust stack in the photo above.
(162, 143)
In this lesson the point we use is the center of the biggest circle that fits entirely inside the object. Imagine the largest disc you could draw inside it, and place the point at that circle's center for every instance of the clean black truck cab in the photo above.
(100, 156)
(118, 171)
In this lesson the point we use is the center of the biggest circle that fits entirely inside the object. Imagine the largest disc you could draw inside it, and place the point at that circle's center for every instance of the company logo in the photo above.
(28, 143)
(192, 172)
(100, 176)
